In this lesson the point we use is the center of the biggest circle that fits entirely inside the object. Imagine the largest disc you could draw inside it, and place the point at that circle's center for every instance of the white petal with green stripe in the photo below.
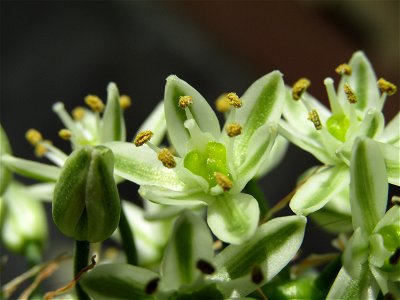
(155, 122)
(391, 133)
(5, 173)
(356, 253)
(391, 155)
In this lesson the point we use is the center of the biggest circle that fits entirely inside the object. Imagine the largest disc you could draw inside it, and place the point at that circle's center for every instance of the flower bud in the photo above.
(86, 203)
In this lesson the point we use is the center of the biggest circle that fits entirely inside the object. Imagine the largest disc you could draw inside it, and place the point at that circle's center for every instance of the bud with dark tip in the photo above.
(86, 203)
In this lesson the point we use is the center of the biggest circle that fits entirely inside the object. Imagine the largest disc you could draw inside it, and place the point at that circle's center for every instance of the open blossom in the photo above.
(209, 166)
(329, 135)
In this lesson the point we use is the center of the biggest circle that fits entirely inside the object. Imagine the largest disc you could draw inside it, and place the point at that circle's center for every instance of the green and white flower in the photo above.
(355, 112)
(371, 260)
(211, 167)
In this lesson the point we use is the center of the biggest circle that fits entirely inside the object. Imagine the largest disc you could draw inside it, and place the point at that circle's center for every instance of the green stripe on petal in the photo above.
(319, 189)
(233, 218)
(117, 281)
(155, 122)
(262, 103)
(391, 133)
(368, 184)
(141, 165)
(113, 124)
(31, 169)
(272, 247)
(176, 116)
(391, 155)
(190, 242)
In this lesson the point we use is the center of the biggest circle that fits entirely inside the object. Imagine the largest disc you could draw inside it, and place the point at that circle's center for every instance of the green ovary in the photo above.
(338, 125)
(206, 163)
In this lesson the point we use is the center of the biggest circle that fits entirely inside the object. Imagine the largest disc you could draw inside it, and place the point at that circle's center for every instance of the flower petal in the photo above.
(176, 116)
(155, 122)
(391, 133)
(391, 156)
(140, 165)
(363, 82)
(42, 191)
(5, 173)
(112, 127)
(392, 217)
(319, 188)
(233, 218)
(191, 241)
(272, 247)
(262, 103)
(356, 253)
(368, 184)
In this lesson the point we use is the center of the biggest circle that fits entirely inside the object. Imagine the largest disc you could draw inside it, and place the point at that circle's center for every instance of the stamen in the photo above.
(167, 159)
(233, 129)
(343, 69)
(223, 181)
(351, 96)
(78, 113)
(395, 258)
(33, 136)
(257, 275)
(333, 101)
(41, 150)
(300, 87)
(65, 118)
(65, 134)
(314, 117)
(234, 100)
(142, 138)
(395, 200)
(222, 104)
(125, 101)
(151, 286)
(185, 101)
(205, 267)
(387, 87)
(95, 103)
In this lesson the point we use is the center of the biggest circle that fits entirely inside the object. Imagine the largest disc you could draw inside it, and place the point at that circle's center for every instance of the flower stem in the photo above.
(81, 259)
(128, 241)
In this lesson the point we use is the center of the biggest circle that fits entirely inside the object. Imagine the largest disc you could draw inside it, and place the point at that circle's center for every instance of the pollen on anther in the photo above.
(33, 136)
(233, 129)
(142, 138)
(78, 113)
(40, 150)
(167, 159)
(222, 104)
(234, 100)
(95, 103)
(343, 69)
(125, 101)
(314, 117)
(351, 96)
(65, 134)
(299, 87)
(387, 87)
(223, 181)
(185, 101)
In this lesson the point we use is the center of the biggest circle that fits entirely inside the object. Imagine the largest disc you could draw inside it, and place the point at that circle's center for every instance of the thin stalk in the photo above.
(81, 260)
(128, 241)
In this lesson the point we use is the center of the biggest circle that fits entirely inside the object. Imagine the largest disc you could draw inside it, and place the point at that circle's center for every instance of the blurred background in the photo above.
(63, 50)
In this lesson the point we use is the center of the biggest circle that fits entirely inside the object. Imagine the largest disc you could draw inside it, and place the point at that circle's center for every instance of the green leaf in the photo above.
(368, 185)
(191, 241)
(319, 188)
(118, 281)
(176, 116)
(272, 247)
(262, 103)
(391, 155)
(113, 124)
(233, 218)
(31, 169)
(155, 122)
(141, 165)
(5, 173)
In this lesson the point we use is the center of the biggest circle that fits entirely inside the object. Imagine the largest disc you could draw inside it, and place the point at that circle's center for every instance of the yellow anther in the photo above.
(185, 101)
(387, 87)
(343, 69)
(142, 138)
(40, 150)
(233, 129)
(300, 87)
(125, 101)
(33, 137)
(167, 159)
(314, 117)
(222, 104)
(65, 134)
(351, 96)
(95, 103)
(78, 113)
(223, 181)
(234, 100)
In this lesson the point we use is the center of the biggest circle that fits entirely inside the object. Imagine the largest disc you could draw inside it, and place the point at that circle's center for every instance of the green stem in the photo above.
(128, 241)
(81, 259)
(253, 189)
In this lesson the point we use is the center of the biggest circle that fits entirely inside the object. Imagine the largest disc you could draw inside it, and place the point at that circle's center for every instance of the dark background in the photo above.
(61, 51)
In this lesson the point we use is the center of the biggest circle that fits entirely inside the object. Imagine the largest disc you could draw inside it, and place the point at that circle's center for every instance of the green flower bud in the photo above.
(23, 219)
(86, 203)
(5, 173)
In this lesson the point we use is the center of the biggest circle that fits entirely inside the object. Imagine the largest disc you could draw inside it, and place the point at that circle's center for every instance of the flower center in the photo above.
(338, 125)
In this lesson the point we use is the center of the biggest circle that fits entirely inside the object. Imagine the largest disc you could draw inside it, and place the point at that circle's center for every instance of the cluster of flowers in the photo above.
(196, 189)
